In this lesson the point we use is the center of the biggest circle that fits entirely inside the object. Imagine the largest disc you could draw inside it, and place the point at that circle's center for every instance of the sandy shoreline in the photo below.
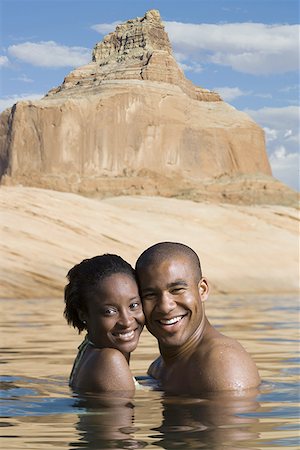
(243, 249)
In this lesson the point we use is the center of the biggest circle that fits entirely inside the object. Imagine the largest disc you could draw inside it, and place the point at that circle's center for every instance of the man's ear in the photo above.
(203, 289)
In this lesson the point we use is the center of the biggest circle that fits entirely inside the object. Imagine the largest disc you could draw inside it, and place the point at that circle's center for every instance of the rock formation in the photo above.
(243, 248)
(138, 50)
(129, 122)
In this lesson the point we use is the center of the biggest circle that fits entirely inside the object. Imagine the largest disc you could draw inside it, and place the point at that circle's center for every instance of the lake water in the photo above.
(38, 410)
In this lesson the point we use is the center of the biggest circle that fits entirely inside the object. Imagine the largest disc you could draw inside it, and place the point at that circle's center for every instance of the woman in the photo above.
(102, 297)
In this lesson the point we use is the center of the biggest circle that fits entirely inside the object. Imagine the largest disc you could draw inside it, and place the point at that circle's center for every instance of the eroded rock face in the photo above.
(129, 116)
(137, 50)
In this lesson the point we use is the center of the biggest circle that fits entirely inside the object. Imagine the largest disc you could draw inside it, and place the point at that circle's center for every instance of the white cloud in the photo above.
(288, 133)
(290, 88)
(230, 93)
(50, 54)
(196, 68)
(7, 102)
(281, 126)
(105, 28)
(293, 138)
(186, 66)
(24, 78)
(271, 134)
(4, 61)
(253, 48)
(284, 118)
(285, 166)
(263, 95)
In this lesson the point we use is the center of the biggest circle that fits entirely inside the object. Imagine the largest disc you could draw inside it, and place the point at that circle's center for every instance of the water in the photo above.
(38, 411)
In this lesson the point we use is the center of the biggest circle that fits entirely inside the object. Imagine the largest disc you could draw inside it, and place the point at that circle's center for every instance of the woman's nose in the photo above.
(125, 319)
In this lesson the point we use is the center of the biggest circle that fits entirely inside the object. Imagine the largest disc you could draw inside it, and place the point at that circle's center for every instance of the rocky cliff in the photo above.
(129, 122)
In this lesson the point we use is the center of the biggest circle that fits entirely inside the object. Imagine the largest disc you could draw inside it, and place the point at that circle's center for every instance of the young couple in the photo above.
(167, 291)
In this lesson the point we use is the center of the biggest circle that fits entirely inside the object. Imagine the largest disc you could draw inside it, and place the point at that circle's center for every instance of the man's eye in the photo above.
(148, 296)
(178, 290)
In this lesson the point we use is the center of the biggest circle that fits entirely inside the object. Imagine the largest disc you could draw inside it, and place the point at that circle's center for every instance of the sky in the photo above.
(247, 50)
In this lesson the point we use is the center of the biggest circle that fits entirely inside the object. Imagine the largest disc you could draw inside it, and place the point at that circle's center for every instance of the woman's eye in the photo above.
(134, 305)
(109, 312)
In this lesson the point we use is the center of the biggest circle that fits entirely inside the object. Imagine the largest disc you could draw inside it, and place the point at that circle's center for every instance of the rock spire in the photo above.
(138, 49)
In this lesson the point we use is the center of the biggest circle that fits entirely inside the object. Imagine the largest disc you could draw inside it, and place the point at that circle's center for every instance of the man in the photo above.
(194, 356)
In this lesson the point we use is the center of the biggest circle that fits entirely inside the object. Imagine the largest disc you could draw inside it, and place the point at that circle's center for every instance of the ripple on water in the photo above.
(39, 411)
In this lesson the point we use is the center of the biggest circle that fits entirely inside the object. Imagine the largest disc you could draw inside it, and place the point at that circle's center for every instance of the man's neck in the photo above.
(184, 351)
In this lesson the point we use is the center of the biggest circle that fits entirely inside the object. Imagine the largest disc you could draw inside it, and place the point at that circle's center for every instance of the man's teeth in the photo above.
(170, 321)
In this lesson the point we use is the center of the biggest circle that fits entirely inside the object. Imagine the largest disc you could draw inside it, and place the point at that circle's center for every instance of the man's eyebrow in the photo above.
(177, 283)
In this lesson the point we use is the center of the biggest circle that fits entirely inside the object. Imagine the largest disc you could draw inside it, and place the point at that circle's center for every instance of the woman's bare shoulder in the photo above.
(105, 370)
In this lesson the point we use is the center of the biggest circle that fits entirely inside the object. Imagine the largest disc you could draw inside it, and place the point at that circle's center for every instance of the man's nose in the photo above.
(165, 303)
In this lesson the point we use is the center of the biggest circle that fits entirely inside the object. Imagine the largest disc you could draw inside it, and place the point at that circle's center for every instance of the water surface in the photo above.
(38, 410)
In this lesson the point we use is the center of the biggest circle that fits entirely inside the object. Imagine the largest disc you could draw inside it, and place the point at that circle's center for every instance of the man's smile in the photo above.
(168, 322)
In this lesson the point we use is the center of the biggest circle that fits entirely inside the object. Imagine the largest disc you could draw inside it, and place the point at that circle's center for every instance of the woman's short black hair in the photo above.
(84, 278)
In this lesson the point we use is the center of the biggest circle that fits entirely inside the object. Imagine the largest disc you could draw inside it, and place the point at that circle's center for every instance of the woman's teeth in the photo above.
(126, 335)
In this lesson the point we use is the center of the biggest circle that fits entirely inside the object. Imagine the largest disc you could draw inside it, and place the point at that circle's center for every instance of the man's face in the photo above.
(170, 293)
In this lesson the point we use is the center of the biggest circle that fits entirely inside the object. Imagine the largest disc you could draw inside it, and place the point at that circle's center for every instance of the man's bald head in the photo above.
(162, 251)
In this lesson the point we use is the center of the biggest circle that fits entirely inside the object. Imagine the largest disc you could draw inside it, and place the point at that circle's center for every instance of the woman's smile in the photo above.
(125, 335)
(115, 315)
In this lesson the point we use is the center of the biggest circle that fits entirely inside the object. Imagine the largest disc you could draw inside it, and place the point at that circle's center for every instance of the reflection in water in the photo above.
(107, 423)
(40, 412)
(210, 422)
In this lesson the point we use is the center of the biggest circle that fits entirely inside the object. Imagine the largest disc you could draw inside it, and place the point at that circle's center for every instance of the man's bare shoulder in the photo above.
(226, 365)
(105, 370)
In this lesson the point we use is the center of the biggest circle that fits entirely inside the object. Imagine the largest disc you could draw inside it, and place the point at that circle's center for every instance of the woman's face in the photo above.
(114, 315)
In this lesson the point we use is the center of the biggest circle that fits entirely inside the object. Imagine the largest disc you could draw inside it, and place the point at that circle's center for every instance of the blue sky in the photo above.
(247, 50)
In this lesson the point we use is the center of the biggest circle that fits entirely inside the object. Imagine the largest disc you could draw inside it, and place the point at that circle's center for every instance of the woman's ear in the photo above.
(82, 316)
(203, 289)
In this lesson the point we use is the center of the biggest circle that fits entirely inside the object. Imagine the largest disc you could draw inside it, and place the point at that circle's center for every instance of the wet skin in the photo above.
(195, 357)
(115, 320)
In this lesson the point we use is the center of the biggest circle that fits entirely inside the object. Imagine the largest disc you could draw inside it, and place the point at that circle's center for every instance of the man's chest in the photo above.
(183, 378)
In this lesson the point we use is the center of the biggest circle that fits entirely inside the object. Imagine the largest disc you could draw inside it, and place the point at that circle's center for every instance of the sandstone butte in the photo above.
(129, 123)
